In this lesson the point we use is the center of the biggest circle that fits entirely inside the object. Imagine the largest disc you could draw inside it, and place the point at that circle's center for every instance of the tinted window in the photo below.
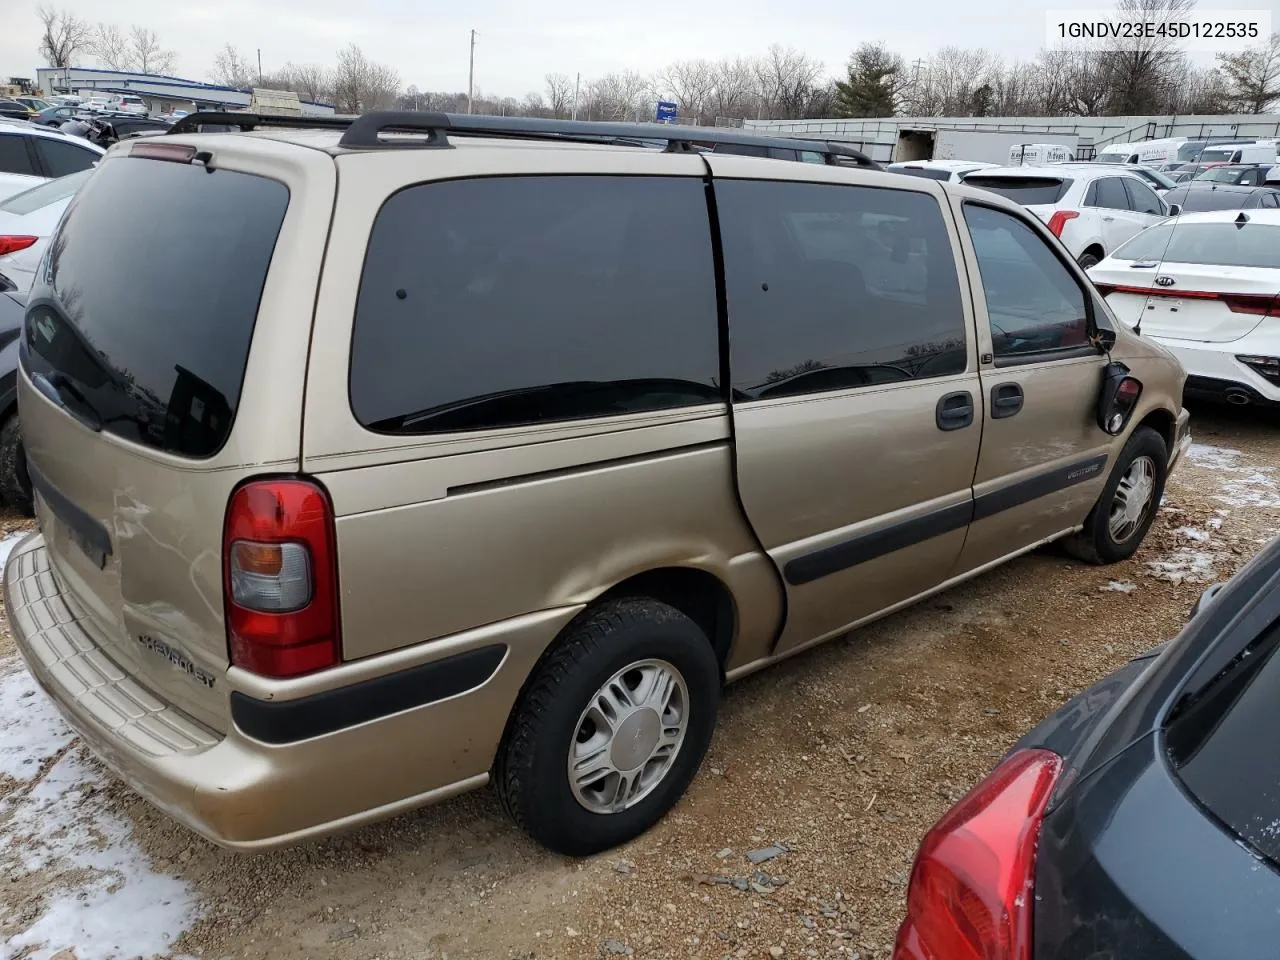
(152, 330)
(497, 302)
(832, 287)
(61, 158)
(1217, 244)
(1108, 193)
(1025, 190)
(1033, 302)
(1223, 744)
(742, 149)
(1143, 199)
(13, 155)
(810, 156)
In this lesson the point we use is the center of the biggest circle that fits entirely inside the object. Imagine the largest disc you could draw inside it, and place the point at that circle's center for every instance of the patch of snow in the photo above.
(1213, 458)
(1120, 586)
(1193, 533)
(7, 545)
(104, 900)
(1184, 566)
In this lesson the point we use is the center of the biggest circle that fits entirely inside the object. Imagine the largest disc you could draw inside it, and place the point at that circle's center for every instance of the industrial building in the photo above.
(919, 138)
(160, 93)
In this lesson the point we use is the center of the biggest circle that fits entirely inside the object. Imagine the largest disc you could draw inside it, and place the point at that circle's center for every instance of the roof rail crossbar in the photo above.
(364, 133)
(195, 122)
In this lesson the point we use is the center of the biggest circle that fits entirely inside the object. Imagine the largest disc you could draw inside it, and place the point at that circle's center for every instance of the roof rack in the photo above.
(365, 132)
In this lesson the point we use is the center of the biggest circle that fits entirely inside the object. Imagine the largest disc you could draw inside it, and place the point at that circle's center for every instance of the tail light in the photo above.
(971, 892)
(1059, 220)
(280, 578)
(14, 244)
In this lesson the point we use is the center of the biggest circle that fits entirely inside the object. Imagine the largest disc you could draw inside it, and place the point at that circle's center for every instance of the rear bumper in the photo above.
(315, 764)
(1214, 373)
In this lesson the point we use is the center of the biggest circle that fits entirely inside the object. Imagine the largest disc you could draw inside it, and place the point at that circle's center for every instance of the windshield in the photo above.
(51, 192)
(1218, 154)
(1220, 244)
(1111, 158)
(1028, 191)
(1221, 174)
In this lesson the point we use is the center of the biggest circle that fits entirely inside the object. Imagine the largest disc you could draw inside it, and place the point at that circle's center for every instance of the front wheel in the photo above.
(1124, 513)
(610, 728)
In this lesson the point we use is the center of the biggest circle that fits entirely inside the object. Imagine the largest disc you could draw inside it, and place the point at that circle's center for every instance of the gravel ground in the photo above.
(843, 756)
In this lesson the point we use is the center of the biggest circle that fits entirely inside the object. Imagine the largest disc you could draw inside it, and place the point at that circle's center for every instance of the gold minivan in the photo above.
(398, 456)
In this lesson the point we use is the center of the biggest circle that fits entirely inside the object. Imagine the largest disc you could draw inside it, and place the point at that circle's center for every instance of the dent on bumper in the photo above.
(243, 793)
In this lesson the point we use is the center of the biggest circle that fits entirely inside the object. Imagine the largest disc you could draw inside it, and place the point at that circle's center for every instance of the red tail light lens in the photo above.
(14, 244)
(1059, 220)
(971, 893)
(280, 578)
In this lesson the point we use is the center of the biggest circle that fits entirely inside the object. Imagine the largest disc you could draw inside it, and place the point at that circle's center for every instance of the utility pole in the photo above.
(576, 83)
(259, 66)
(471, 76)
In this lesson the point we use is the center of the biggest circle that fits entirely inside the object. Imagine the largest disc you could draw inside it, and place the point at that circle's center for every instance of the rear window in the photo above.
(928, 173)
(1028, 191)
(1217, 244)
(149, 332)
(1222, 743)
(517, 300)
(40, 197)
(1111, 158)
(1221, 174)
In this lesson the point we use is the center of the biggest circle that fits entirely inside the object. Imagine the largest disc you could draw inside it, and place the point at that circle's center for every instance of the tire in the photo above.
(550, 721)
(15, 482)
(1088, 260)
(1098, 542)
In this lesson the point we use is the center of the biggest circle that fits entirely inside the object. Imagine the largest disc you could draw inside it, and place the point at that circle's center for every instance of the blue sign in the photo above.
(666, 111)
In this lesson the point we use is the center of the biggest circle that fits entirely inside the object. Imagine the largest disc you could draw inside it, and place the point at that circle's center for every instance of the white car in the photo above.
(96, 104)
(127, 104)
(30, 151)
(27, 220)
(1205, 286)
(951, 171)
(1092, 210)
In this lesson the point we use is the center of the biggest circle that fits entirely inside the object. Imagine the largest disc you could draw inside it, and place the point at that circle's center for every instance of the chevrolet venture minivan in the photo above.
(411, 453)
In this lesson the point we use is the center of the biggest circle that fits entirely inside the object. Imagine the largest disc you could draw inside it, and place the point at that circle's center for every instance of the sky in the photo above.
(520, 42)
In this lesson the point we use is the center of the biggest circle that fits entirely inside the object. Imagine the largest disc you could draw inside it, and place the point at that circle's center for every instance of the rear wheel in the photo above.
(15, 481)
(1124, 513)
(1088, 260)
(610, 728)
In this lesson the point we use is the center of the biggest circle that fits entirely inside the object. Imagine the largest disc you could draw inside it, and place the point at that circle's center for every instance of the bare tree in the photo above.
(559, 94)
(691, 83)
(787, 79)
(63, 36)
(735, 90)
(1253, 76)
(619, 96)
(533, 106)
(146, 54)
(233, 69)
(1142, 76)
(359, 84)
(309, 81)
(111, 47)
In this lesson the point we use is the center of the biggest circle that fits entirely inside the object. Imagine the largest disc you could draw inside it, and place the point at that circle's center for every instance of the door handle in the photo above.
(1108, 219)
(1006, 400)
(955, 411)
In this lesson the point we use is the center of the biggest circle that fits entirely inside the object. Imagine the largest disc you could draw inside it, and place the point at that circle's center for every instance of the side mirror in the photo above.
(1118, 398)
(1175, 209)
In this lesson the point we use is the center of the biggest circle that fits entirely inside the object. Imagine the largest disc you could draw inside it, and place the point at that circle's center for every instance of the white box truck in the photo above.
(986, 146)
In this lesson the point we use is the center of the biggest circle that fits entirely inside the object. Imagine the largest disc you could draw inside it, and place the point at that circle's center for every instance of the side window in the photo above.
(781, 153)
(62, 158)
(1253, 177)
(1034, 303)
(515, 300)
(1108, 193)
(812, 156)
(832, 287)
(1143, 198)
(14, 157)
